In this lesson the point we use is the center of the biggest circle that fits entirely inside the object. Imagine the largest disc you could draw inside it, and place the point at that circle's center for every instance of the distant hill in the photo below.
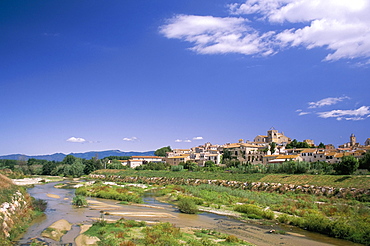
(86, 155)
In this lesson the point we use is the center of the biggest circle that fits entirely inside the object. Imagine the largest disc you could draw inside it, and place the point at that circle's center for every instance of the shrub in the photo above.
(177, 168)
(253, 211)
(79, 201)
(196, 200)
(232, 239)
(348, 165)
(39, 205)
(187, 206)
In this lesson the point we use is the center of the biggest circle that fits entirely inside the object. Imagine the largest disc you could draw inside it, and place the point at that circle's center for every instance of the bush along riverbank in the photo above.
(129, 232)
(17, 210)
(336, 215)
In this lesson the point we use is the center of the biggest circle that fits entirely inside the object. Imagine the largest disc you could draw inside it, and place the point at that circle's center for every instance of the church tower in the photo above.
(352, 140)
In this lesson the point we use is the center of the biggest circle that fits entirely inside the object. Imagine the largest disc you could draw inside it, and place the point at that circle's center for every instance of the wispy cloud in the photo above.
(341, 27)
(326, 102)
(355, 114)
(198, 138)
(182, 141)
(76, 140)
(303, 113)
(130, 139)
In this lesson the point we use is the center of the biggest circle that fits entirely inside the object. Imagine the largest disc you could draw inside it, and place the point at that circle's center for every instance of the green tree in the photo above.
(321, 146)
(162, 151)
(348, 165)
(209, 164)
(272, 147)
(365, 161)
(92, 165)
(69, 159)
(48, 167)
(191, 166)
(75, 170)
(226, 156)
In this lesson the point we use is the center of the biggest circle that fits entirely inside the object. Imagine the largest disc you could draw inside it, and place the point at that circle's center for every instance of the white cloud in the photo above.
(356, 114)
(130, 139)
(303, 113)
(187, 141)
(216, 35)
(178, 141)
(340, 26)
(198, 138)
(75, 140)
(326, 102)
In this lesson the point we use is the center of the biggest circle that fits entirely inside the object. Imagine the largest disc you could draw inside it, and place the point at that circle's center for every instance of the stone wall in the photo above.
(359, 194)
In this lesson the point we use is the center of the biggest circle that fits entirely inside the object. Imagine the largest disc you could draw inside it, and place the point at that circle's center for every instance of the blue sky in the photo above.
(80, 76)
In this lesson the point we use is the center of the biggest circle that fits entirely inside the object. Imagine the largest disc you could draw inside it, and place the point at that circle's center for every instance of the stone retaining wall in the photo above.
(359, 194)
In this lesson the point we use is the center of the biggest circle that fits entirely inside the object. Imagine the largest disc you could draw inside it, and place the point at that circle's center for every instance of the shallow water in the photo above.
(154, 211)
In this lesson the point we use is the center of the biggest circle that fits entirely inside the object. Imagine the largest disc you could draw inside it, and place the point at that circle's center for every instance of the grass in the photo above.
(336, 181)
(125, 194)
(342, 218)
(130, 233)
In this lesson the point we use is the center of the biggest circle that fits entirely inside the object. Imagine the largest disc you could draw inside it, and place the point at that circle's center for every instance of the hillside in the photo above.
(86, 155)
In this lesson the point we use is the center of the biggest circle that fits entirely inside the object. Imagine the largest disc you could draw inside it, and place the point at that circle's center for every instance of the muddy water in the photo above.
(59, 207)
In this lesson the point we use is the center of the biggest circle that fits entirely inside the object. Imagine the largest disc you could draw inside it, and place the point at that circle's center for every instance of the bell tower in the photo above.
(352, 140)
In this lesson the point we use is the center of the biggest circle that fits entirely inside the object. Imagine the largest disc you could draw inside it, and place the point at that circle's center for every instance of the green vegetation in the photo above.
(337, 217)
(79, 201)
(127, 194)
(162, 151)
(130, 233)
(348, 165)
(187, 205)
(21, 216)
(336, 181)
(296, 144)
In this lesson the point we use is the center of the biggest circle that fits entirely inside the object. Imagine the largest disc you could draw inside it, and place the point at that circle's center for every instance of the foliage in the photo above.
(365, 161)
(348, 165)
(321, 146)
(290, 167)
(128, 194)
(226, 156)
(191, 166)
(39, 205)
(361, 182)
(7, 164)
(177, 168)
(130, 233)
(155, 166)
(79, 201)
(115, 164)
(296, 144)
(162, 151)
(187, 205)
(112, 157)
(92, 165)
(272, 147)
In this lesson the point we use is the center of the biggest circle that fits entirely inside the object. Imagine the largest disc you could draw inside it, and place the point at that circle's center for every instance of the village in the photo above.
(274, 147)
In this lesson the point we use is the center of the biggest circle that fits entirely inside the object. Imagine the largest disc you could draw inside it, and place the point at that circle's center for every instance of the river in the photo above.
(59, 207)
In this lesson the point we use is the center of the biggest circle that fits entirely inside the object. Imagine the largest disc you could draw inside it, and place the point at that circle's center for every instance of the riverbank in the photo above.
(334, 212)
(152, 212)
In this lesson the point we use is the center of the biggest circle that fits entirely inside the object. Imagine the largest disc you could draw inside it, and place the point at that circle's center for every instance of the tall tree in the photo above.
(162, 151)
(348, 165)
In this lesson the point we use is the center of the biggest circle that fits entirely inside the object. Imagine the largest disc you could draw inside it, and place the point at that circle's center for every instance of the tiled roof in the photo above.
(287, 156)
(148, 157)
(309, 151)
